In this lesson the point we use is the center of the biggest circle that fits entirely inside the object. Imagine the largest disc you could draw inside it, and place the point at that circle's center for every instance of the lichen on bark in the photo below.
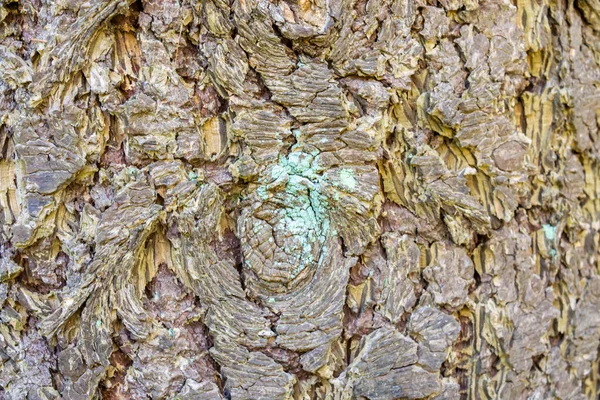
(256, 199)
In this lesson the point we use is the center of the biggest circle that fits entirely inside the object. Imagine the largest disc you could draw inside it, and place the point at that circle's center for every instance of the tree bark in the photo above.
(327, 199)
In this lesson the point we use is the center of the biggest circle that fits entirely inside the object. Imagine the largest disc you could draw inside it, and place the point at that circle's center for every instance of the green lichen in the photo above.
(300, 163)
(277, 171)
(347, 179)
(262, 193)
(304, 210)
(549, 231)
(306, 220)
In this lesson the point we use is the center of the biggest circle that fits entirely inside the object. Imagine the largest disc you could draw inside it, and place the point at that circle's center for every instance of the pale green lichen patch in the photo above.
(347, 179)
(262, 193)
(306, 219)
(277, 170)
(299, 163)
(549, 231)
(302, 222)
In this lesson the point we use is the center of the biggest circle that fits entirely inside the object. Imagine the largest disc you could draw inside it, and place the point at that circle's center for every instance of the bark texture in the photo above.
(299, 199)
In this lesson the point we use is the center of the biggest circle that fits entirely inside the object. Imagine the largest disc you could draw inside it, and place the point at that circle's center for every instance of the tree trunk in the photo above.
(328, 199)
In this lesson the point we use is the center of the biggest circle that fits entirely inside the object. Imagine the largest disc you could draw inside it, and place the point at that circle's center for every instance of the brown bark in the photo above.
(299, 200)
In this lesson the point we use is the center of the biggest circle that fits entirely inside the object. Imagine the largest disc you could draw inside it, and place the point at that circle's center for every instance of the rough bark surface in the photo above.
(299, 199)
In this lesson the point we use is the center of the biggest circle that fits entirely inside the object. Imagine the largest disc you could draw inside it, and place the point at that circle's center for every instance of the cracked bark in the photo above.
(299, 199)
